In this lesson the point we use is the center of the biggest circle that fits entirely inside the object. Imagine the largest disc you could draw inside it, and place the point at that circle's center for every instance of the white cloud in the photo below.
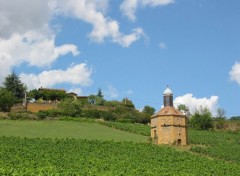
(76, 75)
(103, 27)
(111, 92)
(195, 103)
(235, 73)
(25, 36)
(33, 48)
(162, 45)
(128, 7)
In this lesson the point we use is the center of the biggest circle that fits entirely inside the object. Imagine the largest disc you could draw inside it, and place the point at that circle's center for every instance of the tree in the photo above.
(6, 100)
(221, 113)
(183, 108)
(97, 99)
(201, 119)
(100, 94)
(148, 111)
(71, 107)
(13, 84)
(128, 103)
(220, 118)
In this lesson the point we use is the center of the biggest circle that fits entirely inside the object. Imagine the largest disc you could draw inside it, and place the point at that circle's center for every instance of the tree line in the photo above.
(14, 91)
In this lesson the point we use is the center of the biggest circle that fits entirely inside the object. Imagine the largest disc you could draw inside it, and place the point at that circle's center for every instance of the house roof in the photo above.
(168, 111)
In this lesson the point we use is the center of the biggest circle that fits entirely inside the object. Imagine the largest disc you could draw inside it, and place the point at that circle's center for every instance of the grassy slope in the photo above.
(65, 129)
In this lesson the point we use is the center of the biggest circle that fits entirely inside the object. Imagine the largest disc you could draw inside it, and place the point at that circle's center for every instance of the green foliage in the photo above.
(93, 157)
(183, 107)
(22, 116)
(49, 113)
(96, 100)
(6, 100)
(149, 111)
(70, 107)
(47, 94)
(13, 84)
(128, 103)
(201, 119)
(100, 94)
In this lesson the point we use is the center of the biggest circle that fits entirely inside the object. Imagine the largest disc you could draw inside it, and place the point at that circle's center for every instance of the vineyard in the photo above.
(88, 148)
(25, 156)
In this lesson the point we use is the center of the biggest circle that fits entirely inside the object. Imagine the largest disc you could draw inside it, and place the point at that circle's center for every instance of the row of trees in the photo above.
(202, 118)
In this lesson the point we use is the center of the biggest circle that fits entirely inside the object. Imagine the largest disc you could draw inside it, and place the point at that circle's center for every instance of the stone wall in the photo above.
(169, 130)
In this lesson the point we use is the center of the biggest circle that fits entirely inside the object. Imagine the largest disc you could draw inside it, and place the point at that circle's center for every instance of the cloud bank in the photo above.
(28, 37)
(90, 12)
(75, 75)
(195, 103)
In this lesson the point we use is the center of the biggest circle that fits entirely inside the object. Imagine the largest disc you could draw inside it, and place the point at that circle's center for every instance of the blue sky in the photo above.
(128, 48)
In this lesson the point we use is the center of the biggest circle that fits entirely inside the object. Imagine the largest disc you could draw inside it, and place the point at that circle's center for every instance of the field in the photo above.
(65, 129)
(65, 148)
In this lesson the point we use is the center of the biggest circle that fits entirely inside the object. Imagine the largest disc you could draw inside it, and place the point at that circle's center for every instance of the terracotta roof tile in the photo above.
(168, 111)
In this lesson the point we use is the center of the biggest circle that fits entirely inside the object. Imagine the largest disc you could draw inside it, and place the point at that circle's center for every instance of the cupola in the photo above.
(168, 97)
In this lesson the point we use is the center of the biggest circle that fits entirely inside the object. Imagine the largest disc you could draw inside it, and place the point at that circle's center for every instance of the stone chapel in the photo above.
(169, 125)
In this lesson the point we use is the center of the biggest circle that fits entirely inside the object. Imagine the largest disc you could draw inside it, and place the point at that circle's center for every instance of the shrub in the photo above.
(201, 120)
(42, 114)
(22, 116)
(70, 107)
(109, 116)
(92, 113)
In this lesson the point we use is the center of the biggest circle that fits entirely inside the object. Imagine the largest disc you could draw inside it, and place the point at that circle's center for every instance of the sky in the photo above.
(127, 48)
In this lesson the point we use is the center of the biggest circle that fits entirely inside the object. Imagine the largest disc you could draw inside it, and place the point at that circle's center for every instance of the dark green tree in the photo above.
(35, 94)
(128, 103)
(100, 94)
(6, 100)
(183, 108)
(13, 84)
(148, 110)
(201, 119)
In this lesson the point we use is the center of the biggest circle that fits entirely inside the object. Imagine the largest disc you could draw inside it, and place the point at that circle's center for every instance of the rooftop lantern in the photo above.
(168, 97)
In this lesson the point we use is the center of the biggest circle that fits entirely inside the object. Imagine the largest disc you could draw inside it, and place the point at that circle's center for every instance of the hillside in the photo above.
(65, 129)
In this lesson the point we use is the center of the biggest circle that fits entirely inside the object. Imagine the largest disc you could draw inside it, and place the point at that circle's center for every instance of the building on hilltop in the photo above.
(169, 125)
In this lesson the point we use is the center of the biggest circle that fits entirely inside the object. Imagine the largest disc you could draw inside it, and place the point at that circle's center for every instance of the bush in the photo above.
(70, 107)
(109, 116)
(201, 120)
(22, 116)
(49, 113)
(6, 100)
(42, 114)
(92, 113)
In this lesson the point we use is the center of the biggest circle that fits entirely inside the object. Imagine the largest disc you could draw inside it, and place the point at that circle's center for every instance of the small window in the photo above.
(155, 133)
